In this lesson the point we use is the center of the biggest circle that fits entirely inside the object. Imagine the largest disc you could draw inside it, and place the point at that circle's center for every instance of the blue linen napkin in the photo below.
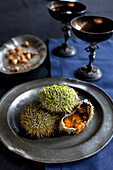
(65, 67)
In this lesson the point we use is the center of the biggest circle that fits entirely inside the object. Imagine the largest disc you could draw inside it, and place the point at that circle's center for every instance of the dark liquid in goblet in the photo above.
(96, 26)
(67, 9)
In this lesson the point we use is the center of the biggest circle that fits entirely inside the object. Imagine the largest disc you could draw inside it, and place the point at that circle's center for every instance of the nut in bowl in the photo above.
(22, 54)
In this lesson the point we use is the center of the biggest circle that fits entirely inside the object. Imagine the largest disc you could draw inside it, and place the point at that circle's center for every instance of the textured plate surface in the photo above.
(35, 44)
(60, 149)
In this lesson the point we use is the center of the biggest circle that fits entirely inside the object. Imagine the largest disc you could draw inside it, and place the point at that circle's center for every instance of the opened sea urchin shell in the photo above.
(58, 98)
(74, 122)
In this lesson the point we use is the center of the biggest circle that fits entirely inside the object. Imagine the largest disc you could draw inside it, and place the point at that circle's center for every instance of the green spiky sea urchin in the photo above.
(58, 98)
(38, 122)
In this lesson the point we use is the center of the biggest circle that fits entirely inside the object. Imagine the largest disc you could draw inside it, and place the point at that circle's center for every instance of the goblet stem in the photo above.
(67, 34)
(65, 50)
(91, 48)
(91, 59)
(89, 72)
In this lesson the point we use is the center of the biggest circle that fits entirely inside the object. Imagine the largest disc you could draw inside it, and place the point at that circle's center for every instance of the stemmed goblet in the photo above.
(65, 11)
(92, 29)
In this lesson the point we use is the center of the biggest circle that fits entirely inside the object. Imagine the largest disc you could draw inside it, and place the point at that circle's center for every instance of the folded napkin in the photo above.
(65, 67)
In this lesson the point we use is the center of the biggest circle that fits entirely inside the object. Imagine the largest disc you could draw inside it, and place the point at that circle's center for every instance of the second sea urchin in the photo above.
(38, 122)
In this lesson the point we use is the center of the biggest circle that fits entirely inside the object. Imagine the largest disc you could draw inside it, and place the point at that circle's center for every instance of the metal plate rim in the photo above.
(52, 160)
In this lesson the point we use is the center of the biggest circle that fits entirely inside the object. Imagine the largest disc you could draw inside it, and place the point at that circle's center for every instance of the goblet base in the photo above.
(83, 73)
(63, 51)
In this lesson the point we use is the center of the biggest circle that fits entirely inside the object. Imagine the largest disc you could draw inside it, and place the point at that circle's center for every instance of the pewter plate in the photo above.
(35, 44)
(57, 149)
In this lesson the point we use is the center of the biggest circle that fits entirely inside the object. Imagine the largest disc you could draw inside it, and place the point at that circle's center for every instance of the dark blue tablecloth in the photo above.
(65, 67)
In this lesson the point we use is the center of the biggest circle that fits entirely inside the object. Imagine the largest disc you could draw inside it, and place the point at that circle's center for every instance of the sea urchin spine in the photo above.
(38, 122)
(58, 98)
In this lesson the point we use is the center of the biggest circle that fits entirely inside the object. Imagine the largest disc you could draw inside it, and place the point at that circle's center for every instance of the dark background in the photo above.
(19, 17)
(31, 16)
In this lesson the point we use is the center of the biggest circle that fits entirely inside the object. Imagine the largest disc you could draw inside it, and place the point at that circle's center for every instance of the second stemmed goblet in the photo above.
(92, 29)
(65, 11)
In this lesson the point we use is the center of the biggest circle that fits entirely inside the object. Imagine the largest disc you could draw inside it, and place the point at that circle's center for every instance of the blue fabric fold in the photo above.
(65, 67)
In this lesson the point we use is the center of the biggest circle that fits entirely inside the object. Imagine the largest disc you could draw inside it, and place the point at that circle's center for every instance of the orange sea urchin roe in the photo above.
(74, 121)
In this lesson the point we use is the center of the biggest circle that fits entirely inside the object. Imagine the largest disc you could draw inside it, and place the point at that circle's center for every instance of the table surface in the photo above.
(31, 17)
